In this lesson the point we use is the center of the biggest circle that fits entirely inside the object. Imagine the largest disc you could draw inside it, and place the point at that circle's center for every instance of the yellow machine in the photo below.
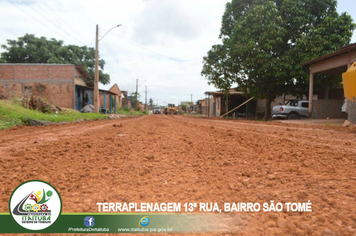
(171, 109)
(349, 81)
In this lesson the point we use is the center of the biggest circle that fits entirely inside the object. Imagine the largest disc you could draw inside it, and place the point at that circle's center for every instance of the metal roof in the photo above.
(346, 49)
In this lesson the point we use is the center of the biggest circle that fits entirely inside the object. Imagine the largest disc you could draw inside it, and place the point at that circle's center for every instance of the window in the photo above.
(293, 103)
(305, 104)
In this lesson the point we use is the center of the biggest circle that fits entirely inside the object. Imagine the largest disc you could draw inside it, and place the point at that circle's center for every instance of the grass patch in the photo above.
(126, 111)
(333, 124)
(14, 114)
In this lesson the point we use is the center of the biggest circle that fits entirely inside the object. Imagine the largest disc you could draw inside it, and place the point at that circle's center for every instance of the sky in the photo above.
(160, 42)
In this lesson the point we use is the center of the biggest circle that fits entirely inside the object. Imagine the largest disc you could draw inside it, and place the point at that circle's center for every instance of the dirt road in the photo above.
(161, 158)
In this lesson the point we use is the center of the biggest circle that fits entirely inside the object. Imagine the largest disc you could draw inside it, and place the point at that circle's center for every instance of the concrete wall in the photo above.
(352, 112)
(80, 81)
(54, 82)
(327, 108)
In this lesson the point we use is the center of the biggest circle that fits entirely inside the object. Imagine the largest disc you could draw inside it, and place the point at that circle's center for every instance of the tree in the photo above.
(265, 41)
(133, 98)
(150, 102)
(29, 49)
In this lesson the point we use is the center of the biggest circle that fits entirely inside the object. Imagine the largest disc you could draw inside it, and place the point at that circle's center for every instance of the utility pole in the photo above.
(96, 74)
(136, 94)
(146, 97)
(191, 98)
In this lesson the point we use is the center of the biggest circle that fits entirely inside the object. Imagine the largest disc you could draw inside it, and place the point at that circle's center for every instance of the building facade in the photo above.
(64, 85)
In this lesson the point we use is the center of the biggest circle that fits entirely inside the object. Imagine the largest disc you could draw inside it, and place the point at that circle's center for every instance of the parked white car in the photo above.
(157, 110)
(293, 109)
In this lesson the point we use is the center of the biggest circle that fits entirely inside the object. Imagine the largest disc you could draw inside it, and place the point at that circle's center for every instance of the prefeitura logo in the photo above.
(35, 205)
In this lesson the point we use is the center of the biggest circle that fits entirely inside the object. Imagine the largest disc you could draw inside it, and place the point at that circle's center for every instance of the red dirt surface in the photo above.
(161, 158)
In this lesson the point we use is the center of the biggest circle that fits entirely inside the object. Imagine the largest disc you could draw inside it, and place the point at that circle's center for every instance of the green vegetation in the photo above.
(150, 102)
(30, 49)
(126, 111)
(133, 98)
(264, 43)
(333, 124)
(14, 114)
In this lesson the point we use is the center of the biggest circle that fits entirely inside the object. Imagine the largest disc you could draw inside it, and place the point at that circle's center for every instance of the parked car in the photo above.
(157, 110)
(293, 109)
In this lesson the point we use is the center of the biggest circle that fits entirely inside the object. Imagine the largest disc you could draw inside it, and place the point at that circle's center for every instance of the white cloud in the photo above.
(163, 22)
(161, 42)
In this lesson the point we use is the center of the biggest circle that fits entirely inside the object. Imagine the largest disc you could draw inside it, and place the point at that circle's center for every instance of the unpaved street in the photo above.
(161, 158)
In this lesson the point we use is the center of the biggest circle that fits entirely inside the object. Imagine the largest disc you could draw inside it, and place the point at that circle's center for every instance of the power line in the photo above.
(62, 19)
(35, 17)
(27, 13)
(51, 22)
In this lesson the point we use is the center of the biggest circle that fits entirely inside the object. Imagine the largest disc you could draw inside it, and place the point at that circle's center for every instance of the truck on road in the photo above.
(292, 110)
(171, 109)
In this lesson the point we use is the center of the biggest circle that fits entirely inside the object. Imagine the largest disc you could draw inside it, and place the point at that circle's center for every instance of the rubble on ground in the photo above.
(38, 103)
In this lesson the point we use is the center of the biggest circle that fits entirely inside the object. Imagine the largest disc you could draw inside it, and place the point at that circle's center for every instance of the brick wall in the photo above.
(107, 95)
(54, 82)
(327, 108)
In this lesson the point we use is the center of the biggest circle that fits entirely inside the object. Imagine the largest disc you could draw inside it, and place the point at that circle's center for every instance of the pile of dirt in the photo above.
(38, 103)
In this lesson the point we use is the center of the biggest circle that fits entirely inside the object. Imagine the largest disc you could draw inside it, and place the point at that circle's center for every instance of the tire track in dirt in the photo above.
(316, 166)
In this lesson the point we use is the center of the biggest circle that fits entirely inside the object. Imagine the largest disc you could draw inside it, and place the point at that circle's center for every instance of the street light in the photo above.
(109, 31)
(96, 74)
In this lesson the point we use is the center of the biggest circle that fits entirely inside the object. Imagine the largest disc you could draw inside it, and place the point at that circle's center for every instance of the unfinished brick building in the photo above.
(65, 85)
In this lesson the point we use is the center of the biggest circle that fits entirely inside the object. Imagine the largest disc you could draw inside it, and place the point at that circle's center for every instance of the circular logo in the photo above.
(144, 221)
(35, 205)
